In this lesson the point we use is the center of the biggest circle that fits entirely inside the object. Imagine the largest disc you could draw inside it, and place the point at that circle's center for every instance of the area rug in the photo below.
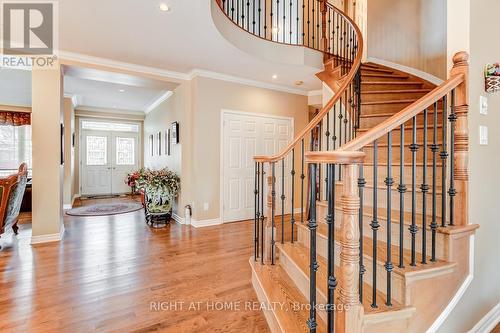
(105, 209)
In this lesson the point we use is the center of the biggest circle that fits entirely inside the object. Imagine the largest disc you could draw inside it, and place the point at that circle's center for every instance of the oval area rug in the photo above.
(105, 209)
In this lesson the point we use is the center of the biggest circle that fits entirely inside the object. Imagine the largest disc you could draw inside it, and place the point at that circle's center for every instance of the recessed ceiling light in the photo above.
(121, 90)
(275, 76)
(299, 83)
(164, 7)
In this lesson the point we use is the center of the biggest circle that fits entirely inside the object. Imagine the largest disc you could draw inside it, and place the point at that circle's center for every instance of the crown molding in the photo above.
(163, 97)
(313, 93)
(249, 82)
(68, 57)
(74, 99)
(108, 110)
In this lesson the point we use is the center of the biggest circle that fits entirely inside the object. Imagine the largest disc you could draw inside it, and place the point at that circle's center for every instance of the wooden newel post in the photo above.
(349, 309)
(461, 67)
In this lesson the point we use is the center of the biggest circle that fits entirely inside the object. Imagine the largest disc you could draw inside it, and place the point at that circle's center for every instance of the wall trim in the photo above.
(205, 223)
(421, 74)
(163, 97)
(178, 219)
(460, 293)
(315, 93)
(68, 57)
(488, 322)
(248, 82)
(48, 238)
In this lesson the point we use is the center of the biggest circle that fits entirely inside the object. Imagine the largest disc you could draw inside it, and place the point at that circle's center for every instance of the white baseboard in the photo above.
(48, 238)
(460, 293)
(418, 73)
(488, 322)
(205, 223)
(178, 219)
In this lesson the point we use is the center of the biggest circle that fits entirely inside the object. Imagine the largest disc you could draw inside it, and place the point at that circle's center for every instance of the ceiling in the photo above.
(181, 40)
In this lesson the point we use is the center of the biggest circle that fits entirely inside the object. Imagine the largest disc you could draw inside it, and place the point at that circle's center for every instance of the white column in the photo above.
(47, 99)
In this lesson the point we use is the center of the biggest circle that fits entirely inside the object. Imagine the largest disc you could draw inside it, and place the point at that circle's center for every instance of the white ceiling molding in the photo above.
(224, 77)
(158, 101)
(165, 74)
(74, 99)
(313, 93)
(107, 110)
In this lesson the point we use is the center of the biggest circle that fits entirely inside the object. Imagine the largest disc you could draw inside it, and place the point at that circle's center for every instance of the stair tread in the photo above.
(407, 128)
(299, 254)
(389, 114)
(280, 289)
(392, 82)
(398, 76)
(382, 254)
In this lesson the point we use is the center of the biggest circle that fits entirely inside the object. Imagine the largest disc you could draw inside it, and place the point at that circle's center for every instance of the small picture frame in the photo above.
(167, 142)
(151, 145)
(175, 133)
(159, 143)
(62, 144)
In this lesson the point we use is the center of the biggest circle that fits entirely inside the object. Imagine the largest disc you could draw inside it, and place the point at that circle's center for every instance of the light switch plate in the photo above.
(483, 105)
(483, 135)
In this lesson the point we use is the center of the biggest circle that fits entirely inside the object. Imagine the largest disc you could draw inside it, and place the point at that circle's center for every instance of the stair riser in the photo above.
(371, 121)
(382, 175)
(380, 77)
(384, 107)
(396, 156)
(371, 70)
(322, 250)
(390, 96)
(370, 86)
(396, 135)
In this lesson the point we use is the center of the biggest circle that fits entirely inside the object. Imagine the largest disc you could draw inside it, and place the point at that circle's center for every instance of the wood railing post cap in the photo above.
(461, 57)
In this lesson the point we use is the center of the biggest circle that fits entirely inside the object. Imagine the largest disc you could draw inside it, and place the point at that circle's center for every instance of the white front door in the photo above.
(96, 163)
(106, 159)
(245, 136)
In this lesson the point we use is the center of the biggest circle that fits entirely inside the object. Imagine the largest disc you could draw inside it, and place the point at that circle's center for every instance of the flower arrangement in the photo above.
(492, 77)
(163, 178)
(493, 70)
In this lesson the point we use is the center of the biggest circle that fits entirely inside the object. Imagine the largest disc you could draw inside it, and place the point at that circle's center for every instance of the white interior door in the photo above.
(125, 159)
(245, 136)
(96, 163)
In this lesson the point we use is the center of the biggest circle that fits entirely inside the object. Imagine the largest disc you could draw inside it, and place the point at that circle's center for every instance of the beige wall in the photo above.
(69, 152)
(176, 108)
(410, 33)
(211, 96)
(197, 106)
(484, 292)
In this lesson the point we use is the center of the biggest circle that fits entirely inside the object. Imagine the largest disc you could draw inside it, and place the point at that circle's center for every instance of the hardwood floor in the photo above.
(116, 274)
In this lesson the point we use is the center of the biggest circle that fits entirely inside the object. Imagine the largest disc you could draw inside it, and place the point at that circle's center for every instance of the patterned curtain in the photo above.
(15, 118)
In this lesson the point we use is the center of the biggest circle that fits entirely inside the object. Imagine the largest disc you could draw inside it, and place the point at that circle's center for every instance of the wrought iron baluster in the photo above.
(262, 213)
(292, 173)
(434, 149)
(302, 178)
(402, 190)
(311, 322)
(389, 182)
(413, 228)
(452, 191)
(330, 220)
(425, 189)
(375, 224)
(444, 157)
(362, 269)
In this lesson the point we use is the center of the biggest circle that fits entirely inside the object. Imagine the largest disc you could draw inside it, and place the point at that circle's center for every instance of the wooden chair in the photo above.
(11, 196)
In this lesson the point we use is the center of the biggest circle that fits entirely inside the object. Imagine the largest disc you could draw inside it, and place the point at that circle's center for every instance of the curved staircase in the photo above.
(361, 222)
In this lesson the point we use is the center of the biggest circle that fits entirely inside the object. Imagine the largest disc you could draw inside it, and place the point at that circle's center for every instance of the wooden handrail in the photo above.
(346, 81)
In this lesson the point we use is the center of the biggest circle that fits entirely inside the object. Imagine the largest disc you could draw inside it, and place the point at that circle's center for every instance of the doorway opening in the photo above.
(109, 150)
